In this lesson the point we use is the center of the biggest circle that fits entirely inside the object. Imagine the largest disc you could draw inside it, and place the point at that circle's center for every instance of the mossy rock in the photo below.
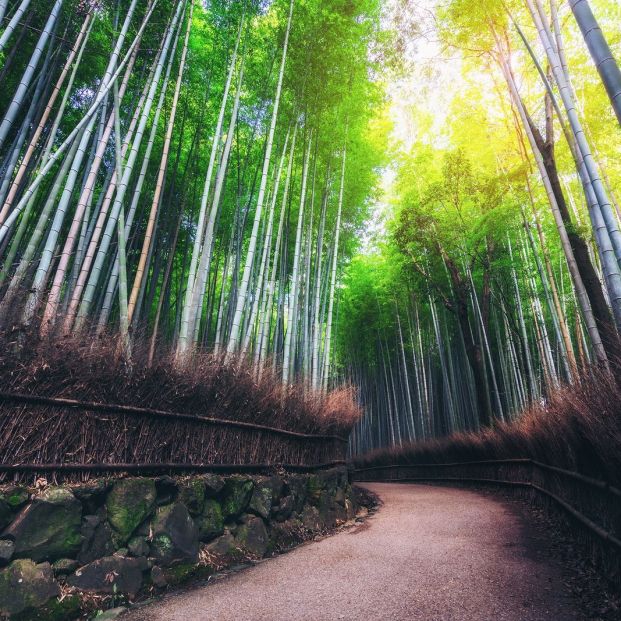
(350, 509)
(6, 514)
(311, 519)
(157, 577)
(252, 537)
(11, 500)
(25, 585)
(261, 500)
(211, 522)
(339, 496)
(298, 488)
(340, 514)
(64, 566)
(110, 575)
(111, 614)
(175, 536)
(7, 549)
(182, 573)
(224, 550)
(49, 527)
(236, 496)
(92, 495)
(15, 496)
(284, 510)
(329, 511)
(138, 546)
(179, 573)
(285, 535)
(192, 495)
(277, 484)
(55, 610)
(213, 484)
(314, 488)
(97, 539)
(166, 489)
(329, 480)
(129, 503)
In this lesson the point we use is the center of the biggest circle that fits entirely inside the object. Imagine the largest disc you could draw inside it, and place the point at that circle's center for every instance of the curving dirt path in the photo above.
(429, 554)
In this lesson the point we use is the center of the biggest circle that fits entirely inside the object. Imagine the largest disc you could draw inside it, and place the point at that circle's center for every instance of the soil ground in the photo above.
(428, 554)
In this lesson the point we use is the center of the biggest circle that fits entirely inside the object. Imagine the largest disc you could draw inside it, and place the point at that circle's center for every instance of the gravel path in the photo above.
(429, 554)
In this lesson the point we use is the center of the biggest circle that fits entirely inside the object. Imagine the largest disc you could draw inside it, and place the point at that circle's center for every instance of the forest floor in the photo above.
(428, 554)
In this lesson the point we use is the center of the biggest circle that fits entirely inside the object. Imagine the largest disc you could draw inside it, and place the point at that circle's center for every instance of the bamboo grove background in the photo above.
(423, 203)
(494, 280)
(191, 173)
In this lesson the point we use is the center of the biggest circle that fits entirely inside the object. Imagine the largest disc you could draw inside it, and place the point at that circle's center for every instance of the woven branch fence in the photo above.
(68, 440)
(591, 507)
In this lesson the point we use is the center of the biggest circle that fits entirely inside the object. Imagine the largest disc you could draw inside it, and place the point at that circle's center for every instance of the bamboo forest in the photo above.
(420, 200)
(276, 272)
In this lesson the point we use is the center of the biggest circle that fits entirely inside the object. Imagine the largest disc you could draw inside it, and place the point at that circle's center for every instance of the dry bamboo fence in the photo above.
(69, 440)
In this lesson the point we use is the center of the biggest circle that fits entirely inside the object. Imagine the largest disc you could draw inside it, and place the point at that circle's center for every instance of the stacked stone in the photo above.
(122, 537)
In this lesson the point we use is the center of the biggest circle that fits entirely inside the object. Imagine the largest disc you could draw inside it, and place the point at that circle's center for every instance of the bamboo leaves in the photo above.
(212, 243)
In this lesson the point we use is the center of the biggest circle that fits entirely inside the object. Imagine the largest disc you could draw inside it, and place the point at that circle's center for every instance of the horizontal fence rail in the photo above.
(592, 504)
(73, 404)
(165, 468)
(569, 473)
(70, 440)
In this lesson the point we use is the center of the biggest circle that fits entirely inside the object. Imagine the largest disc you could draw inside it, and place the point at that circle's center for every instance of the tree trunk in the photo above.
(243, 289)
(159, 185)
(591, 281)
(600, 52)
(75, 133)
(581, 292)
(20, 94)
(474, 352)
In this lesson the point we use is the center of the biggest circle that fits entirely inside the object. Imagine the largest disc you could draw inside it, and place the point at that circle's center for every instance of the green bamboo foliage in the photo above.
(201, 177)
(507, 308)
(242, 294)
(139, 192)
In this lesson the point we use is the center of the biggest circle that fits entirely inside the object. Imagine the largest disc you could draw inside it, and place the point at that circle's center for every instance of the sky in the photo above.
(419, 100)
(428, 83)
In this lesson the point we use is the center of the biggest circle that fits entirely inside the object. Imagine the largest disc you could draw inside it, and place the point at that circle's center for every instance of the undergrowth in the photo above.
(578, 428)
(94, 369)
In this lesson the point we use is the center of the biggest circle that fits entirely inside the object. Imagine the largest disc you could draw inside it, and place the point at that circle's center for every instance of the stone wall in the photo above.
(104, 543)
